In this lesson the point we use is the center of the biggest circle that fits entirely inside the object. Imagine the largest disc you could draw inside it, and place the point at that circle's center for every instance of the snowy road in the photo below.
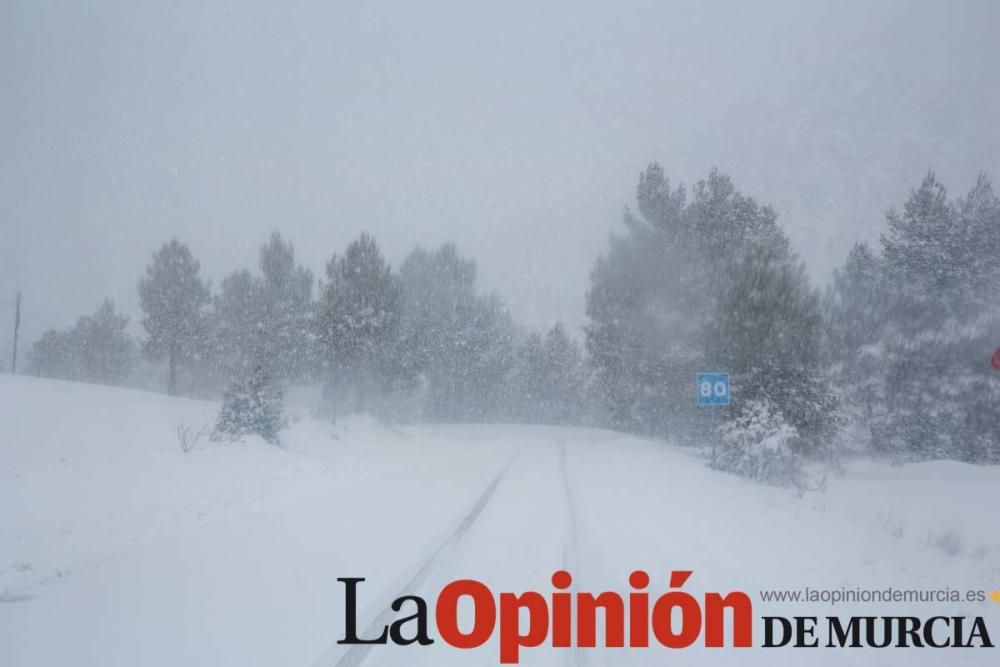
(602, 505)
(230, 554)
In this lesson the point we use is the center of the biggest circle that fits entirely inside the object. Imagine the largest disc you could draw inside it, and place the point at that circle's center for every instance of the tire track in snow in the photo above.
(357, 653)
(578, 657)
(571, 547)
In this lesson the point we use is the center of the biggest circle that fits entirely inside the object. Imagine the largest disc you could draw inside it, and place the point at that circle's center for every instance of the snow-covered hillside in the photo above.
(119, 548)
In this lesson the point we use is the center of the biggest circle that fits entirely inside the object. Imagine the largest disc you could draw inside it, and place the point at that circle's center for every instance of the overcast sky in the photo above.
(515, 130)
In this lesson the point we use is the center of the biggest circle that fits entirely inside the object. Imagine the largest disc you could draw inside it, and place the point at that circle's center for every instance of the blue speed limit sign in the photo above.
(713, 388)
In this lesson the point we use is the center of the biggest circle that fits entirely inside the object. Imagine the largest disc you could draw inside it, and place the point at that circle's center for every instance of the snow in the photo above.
(119, 548)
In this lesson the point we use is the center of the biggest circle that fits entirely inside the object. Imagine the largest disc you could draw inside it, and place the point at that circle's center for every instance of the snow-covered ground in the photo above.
(119, 548)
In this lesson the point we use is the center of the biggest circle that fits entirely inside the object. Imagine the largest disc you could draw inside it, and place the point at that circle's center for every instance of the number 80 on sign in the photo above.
(713, 388)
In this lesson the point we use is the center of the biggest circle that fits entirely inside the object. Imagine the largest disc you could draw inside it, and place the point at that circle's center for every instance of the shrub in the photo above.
(760, 445)
(251, 406)
(188, 436)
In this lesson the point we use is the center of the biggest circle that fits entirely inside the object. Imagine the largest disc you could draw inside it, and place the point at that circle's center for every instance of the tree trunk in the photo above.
(172, 377)
(363, 388)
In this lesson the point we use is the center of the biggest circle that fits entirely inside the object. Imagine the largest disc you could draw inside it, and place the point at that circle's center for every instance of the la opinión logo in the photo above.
(675, 619)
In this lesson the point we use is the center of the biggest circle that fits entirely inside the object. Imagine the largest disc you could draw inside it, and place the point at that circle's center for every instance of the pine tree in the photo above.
(940, 398)
(456, 347)
(285, 304)
(766, 330)
(53, 356)
(236, 324)
(358, 316)
(856, 305)
(96, 349)
(106, 352)
(857, 309)
(481, 386)
(527, 404)
(559, 378)
(550, 379)
(266, 320)
(439, 303)
(172, 297)
(978, 244)
(920, 246)
(653, 292)
(251, 406)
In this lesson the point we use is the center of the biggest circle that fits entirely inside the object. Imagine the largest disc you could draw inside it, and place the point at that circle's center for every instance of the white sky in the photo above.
(516, 131)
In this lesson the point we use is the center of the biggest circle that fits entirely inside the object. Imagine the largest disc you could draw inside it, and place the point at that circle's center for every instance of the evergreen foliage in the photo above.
(173, 298)
(699, 285)
(251, 406)
(96, 349)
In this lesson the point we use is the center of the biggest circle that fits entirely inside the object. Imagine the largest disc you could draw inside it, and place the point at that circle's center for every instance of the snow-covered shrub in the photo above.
(760, 445)
(250, 406)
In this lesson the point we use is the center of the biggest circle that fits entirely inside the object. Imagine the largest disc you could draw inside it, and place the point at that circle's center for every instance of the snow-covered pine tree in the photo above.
(653, 293)
(285, 310)
(96, 349)
(481, 383)
(357, 320)
(172, 298)
(941, 398)
(439, 297)
(53, 356)
(106, 352)
(265, 320)
(526, 403)
(560, 380)
(455, 345)
(644, 308)
(251, 405)
(235, 325)
(766, 329)
(857, 307)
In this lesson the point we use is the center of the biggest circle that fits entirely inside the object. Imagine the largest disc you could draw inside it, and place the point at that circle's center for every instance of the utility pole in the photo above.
(17, 325)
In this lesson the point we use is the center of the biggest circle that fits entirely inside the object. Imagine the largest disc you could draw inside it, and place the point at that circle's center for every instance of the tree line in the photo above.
(417, 343)
(890, 358)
